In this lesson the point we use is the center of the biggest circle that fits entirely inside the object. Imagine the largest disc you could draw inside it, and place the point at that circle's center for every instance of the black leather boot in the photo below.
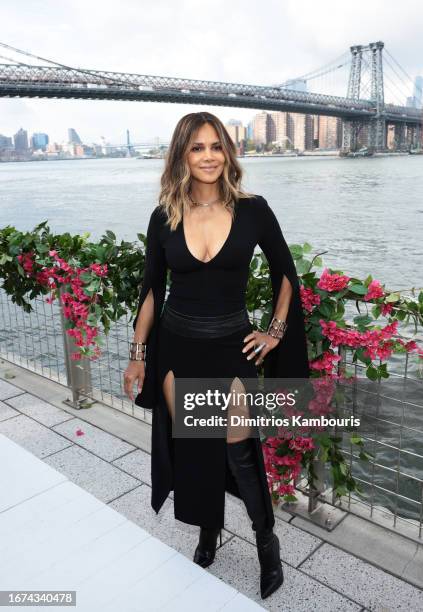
(242, 462)
(205, 552)
(268, 551)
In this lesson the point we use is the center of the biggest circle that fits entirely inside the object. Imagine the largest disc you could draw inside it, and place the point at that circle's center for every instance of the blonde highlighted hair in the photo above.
(176, 178)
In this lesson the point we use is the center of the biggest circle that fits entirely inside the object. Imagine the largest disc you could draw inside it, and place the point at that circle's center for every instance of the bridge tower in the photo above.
(360, 65)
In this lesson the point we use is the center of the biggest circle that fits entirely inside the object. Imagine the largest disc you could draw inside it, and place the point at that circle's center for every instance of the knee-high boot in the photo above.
(242, 462)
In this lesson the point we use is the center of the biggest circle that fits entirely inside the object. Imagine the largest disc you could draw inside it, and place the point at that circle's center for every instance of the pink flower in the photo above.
(286, 489)
(332, 282)
(374, 291)
(386, 309)
(309, 298)
(79, 432)
(326, 362)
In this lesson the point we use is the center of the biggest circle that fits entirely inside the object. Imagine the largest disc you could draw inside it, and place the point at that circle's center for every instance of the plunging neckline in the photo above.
(221, 248)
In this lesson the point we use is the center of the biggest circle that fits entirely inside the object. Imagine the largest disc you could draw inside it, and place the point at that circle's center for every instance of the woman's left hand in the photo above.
(255, 339)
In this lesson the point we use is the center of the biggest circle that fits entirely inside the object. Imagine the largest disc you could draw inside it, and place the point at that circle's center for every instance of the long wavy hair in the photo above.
(176, 178)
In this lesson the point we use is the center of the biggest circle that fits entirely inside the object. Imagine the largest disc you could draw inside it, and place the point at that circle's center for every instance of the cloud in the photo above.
(241, 41)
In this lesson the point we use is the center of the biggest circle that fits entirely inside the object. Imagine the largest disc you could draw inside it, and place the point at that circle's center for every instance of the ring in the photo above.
(260, 347)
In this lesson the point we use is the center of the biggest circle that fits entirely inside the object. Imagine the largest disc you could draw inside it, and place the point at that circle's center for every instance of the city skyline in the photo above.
(143, 41)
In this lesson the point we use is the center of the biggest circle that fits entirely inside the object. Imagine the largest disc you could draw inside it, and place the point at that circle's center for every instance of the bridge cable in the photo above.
(314, 72)
(80, 70)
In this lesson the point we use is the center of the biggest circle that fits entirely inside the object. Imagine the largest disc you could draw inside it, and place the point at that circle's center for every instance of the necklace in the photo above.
(204, 203)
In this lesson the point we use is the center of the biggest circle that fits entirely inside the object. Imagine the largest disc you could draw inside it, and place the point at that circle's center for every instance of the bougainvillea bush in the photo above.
(97, 283)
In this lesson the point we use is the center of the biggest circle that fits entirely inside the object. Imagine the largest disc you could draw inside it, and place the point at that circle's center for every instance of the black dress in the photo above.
(196, 469)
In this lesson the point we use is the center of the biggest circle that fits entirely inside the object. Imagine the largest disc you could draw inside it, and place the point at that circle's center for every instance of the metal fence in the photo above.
(393, 411)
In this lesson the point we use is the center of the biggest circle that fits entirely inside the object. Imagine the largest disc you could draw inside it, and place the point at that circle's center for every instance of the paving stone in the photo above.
(38, 409)
(296, 545)
(100, 478)
(138, 464)
(362, 582)
(6, 412)
(136, 506)
(33, 436)
(237, 564)
(94, 439)
(381, 547)
(8, 390)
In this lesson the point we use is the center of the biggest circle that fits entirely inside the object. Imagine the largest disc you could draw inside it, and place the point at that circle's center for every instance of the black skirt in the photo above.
(196, 469)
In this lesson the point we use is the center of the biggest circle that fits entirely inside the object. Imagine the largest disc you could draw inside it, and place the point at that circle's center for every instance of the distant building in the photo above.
(302, 131)
(330, 132)
(53, 149)
(21, 141)
(5, 142)
(262, 128)
(236, 131)
(39, 141)
(418, 91)
(280, 130)
(73, 137)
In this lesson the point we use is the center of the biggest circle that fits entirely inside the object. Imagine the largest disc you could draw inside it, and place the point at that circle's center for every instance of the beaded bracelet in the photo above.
(277, 328)
(137, 351)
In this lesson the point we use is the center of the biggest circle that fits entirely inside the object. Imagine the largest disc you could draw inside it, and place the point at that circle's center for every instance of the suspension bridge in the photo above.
(372, 73)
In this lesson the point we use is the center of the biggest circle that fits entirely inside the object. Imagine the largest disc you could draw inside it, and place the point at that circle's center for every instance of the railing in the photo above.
(392, 481)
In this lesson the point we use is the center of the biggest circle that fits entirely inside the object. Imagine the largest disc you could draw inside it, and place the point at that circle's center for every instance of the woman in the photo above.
(204, 230)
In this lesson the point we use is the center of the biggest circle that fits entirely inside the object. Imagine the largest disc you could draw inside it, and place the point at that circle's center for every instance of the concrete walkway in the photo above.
(55, 536)
(358, 566)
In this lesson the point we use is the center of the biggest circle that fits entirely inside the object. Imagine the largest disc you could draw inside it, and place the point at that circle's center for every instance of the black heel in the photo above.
(205, 552)
(268, 550)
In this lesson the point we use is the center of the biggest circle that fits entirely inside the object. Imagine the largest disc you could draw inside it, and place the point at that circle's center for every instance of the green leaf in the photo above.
(393, 297)
(372, 373)
(290, 498)
(296, 251)
(359, 289)
(376, 310)
(363, 320)
(343, 467)
(341, 490)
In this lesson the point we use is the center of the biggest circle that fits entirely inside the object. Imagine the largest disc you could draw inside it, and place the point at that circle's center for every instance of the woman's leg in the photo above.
(242, 460)
(169, 393)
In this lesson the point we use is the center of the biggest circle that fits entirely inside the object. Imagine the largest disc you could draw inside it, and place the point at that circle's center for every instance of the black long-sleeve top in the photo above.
(218, 286)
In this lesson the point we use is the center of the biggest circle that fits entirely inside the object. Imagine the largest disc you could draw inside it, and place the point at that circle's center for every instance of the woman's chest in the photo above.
(235, 251)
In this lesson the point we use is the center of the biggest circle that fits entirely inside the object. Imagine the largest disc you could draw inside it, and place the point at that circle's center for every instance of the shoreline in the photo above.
(261, 155)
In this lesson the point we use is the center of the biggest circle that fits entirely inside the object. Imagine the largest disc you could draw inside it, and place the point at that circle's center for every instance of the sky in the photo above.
(241, 41)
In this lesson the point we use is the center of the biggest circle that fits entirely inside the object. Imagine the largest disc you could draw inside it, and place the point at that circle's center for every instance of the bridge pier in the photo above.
(351, 131)
(377, 134)
(400, 136)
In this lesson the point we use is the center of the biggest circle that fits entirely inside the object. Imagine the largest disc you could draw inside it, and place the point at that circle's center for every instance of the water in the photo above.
(367, 214)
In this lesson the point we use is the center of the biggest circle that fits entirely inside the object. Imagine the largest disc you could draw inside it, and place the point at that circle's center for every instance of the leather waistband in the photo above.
(199, 326)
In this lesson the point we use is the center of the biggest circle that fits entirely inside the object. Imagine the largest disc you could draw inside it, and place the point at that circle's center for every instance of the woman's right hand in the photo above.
(134, 373)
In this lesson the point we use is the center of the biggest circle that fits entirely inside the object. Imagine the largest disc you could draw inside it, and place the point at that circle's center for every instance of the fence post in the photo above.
(318, 485)
(78, 372)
